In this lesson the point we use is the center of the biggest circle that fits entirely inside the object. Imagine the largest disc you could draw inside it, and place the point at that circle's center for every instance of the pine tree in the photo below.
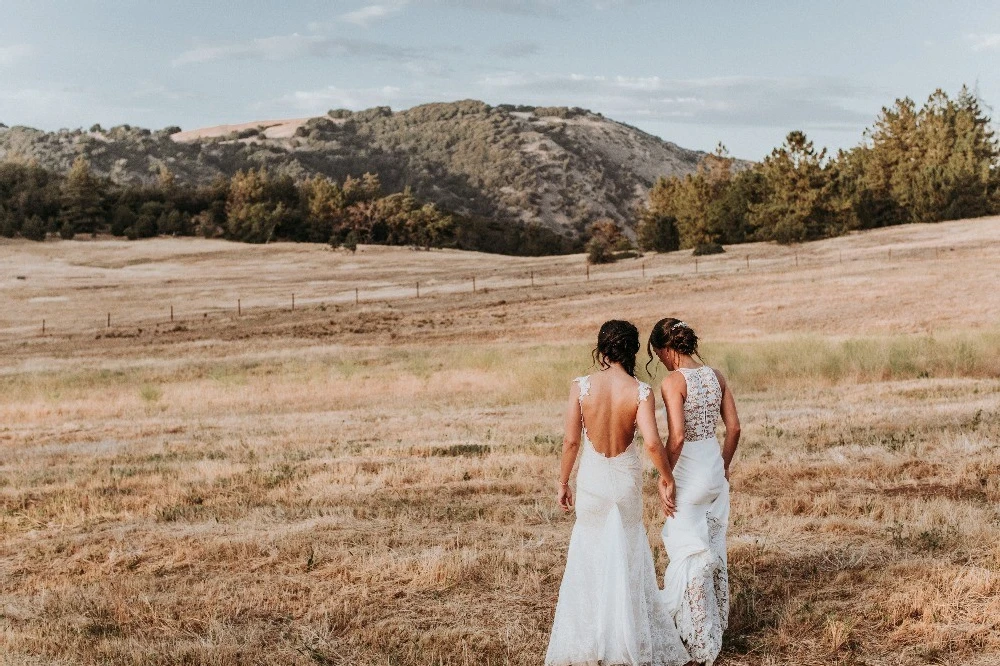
(657, 231)
(81, 201)
(798, 203)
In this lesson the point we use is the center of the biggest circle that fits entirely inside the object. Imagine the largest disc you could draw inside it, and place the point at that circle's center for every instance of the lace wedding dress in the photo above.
(696, 583)
(610, 610)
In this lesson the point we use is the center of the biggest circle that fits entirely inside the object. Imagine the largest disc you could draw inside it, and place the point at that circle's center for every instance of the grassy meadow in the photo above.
(375, 484)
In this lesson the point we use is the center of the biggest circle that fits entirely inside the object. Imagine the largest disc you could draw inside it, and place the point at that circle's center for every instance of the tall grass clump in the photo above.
(530, 373)
(810, 359)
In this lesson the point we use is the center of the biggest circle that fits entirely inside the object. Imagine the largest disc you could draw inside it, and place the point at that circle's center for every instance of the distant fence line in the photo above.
(499, 279)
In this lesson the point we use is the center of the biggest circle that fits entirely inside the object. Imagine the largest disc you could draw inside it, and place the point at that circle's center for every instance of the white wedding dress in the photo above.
(696, 583)
(611, 611)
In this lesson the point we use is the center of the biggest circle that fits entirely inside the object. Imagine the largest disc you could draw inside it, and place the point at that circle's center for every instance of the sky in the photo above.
(694, 73)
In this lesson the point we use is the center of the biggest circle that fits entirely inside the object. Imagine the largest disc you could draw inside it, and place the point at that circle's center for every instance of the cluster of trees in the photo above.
(937, 162)
(253, 206)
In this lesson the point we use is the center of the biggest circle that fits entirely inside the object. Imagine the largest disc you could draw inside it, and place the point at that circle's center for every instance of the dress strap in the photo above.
(644, 390)
(584, 383)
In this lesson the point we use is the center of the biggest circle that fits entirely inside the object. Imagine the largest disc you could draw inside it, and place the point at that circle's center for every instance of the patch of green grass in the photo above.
(150, 393)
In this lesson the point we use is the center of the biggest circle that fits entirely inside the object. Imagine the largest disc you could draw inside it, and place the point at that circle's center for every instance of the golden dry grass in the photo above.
(373, 484)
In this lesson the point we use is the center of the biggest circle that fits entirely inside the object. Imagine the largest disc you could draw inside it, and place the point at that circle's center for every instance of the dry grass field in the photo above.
(373, 484)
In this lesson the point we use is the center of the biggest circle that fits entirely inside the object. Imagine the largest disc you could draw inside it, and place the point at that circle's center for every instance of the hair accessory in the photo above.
(679, 324)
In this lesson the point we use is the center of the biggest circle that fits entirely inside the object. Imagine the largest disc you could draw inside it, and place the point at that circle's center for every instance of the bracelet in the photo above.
(564, 483)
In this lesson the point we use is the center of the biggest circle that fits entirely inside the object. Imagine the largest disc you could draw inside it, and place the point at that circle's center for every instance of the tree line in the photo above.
(253, 206)
(933, 163)
(939, 161)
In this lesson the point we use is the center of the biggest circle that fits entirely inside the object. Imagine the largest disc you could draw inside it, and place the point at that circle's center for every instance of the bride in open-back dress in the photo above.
(610, 610)
(696, 583)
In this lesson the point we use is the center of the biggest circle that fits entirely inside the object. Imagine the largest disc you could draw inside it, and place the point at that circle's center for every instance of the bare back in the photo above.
(609, 403)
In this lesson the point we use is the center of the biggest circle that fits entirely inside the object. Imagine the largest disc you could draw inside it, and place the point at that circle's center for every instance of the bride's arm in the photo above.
(731, 419)
(571, 446)
(646, 419)
(674, 390)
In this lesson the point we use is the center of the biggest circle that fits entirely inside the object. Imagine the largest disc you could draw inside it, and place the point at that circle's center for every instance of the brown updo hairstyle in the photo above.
(672, 333)
(617, 342)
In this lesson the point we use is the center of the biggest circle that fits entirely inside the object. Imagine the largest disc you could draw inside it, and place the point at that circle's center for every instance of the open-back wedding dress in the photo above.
(611, 611)
(696, 583)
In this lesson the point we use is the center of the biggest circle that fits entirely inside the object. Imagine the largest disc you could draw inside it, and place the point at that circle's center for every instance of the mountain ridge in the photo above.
(559, 167)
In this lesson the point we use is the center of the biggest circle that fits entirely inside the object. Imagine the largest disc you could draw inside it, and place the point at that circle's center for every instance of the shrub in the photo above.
(34, 228)
(707, 248)
(122, 219)
(599, 251)
(8, 226)
(351, 241)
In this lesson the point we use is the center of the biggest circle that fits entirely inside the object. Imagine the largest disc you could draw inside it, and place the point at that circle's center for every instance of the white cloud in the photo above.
(11, 54)
(521, 7)
(521, 48)
(318, 101)
(75, 105)
(294, 46)
(542, 8)
(984, 42)
(736, 100)
(368, 14)
(151, 90)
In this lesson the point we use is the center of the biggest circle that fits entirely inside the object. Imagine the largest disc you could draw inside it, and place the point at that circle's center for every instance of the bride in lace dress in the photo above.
(610, 610)
(696, 583)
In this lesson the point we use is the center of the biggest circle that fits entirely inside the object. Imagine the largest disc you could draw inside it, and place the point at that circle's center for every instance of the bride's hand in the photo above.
(727, 472)
(668, 496)
(565, 497)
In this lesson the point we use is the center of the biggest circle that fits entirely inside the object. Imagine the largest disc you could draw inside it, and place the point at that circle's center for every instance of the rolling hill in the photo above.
(555, 166)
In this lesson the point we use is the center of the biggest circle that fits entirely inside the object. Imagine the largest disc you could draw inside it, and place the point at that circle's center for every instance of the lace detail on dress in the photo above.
(704, 613)
(584, 382)
(704, 400)
(699, 621)
(717, 543)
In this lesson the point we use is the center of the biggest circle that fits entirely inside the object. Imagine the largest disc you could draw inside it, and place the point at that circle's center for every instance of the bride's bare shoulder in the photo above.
(674, 381)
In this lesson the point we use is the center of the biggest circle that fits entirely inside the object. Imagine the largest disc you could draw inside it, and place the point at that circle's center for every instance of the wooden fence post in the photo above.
(171, 313)
(418, 290)
(293, 302)
(43, 327)
(109, 320)
(239, 307)
(532, 278)
(356, 301)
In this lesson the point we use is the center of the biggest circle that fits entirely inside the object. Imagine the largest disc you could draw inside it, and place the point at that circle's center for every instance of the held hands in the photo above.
(668, 496)
(565, 497)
